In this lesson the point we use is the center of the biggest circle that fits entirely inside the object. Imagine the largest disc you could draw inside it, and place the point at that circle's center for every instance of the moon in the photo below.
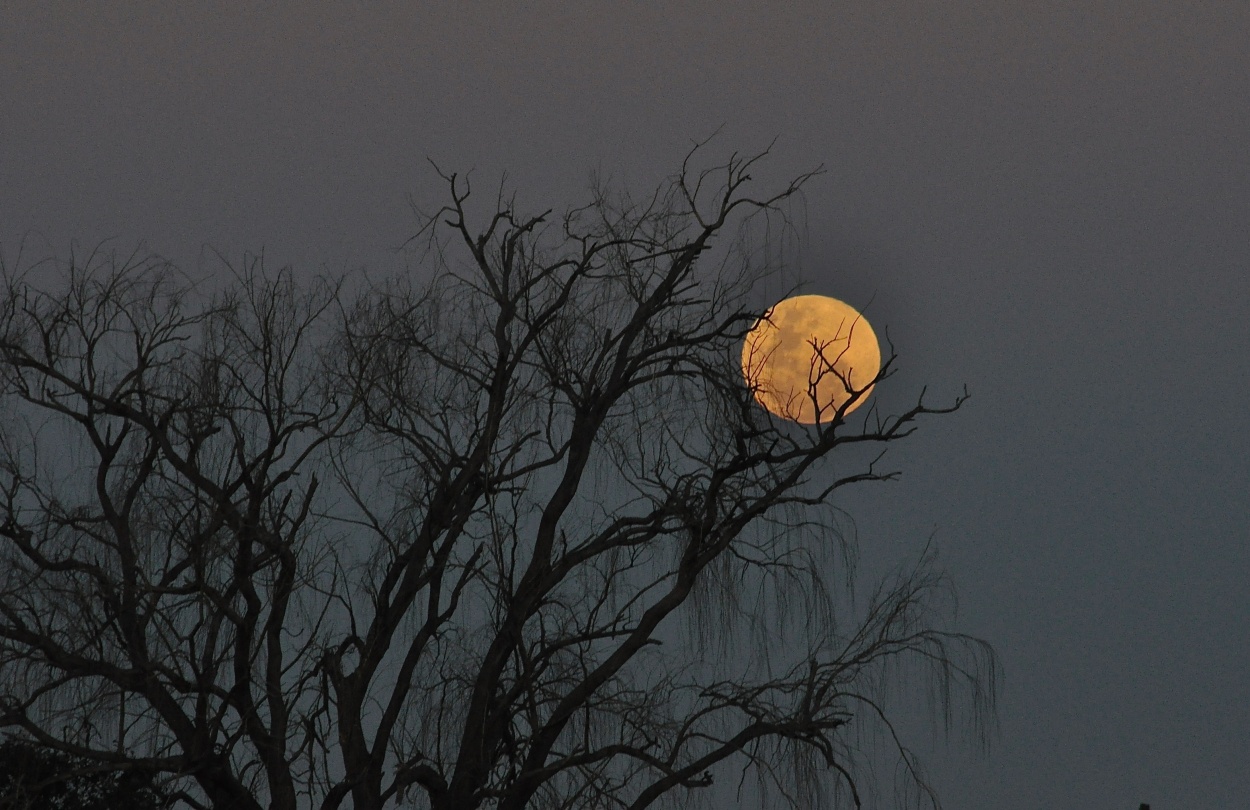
(809, 356)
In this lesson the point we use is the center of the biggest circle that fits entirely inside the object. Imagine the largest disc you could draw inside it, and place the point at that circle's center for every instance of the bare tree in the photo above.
(518, 536)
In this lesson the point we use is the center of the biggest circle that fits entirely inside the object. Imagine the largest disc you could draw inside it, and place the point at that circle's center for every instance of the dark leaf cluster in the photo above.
(34, 778)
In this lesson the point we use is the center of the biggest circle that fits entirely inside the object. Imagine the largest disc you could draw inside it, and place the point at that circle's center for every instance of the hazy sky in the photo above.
(1048, 201)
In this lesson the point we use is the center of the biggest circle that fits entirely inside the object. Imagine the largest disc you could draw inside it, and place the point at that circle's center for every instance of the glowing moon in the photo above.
(808, 356)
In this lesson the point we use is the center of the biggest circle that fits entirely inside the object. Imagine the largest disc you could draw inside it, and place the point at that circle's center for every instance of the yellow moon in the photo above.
(808, 356)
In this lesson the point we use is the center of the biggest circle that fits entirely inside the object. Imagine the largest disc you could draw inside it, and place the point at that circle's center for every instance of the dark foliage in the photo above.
(34, 778)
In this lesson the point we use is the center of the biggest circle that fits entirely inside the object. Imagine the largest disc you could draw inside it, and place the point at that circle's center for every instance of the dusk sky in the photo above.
(1046, 201)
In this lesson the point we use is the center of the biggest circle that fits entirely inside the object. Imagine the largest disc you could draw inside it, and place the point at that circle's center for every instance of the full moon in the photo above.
(808, 356)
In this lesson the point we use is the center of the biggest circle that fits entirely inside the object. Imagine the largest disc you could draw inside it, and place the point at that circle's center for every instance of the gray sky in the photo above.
(1049, 201)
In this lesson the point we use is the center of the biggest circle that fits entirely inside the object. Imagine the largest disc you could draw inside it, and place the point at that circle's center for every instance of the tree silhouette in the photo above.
(506, 532)
(36, 779)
